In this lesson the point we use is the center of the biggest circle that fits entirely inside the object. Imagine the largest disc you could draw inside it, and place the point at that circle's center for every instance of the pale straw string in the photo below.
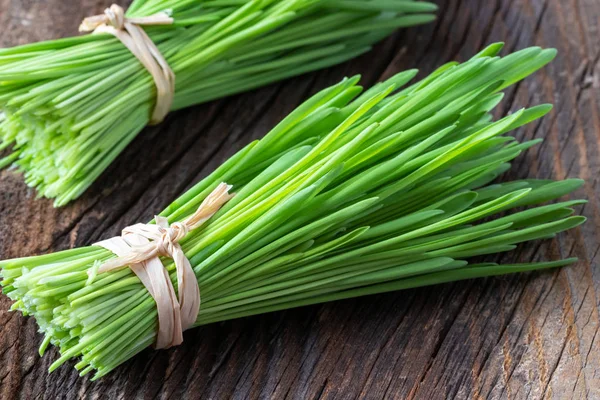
(140, 247)
(130, 33)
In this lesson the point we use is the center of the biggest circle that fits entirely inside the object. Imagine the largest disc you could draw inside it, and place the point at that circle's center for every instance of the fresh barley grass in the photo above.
(68, 107)
(354, 193)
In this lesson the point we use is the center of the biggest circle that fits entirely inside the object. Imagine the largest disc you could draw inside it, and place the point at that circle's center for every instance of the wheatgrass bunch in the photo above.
(68, 107)
(355, 192)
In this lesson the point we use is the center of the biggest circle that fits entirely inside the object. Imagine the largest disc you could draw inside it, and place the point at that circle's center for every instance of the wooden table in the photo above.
(525, 336)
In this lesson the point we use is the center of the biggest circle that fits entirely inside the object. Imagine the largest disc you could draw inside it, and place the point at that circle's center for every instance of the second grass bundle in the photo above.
(68, 107)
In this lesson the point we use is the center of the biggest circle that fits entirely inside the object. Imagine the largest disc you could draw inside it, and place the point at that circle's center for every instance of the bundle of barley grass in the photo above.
(353, 193)
(68, 107)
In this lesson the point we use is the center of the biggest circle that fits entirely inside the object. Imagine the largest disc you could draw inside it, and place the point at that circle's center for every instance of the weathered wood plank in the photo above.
(524, 336)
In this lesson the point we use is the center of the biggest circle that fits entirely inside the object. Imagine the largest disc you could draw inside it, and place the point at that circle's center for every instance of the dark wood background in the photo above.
(526, 336)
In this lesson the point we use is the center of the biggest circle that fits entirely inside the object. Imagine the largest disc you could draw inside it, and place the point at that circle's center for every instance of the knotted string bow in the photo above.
(140, 247)
(130, 33)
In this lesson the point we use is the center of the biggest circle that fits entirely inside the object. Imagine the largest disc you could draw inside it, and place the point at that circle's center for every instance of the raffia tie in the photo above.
(130, 33)
(140, 247)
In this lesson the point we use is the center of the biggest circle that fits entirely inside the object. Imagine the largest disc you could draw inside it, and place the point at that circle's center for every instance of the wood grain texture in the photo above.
(528, 336)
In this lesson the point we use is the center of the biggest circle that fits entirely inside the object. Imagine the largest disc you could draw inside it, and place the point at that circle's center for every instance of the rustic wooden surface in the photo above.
(526, 336)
